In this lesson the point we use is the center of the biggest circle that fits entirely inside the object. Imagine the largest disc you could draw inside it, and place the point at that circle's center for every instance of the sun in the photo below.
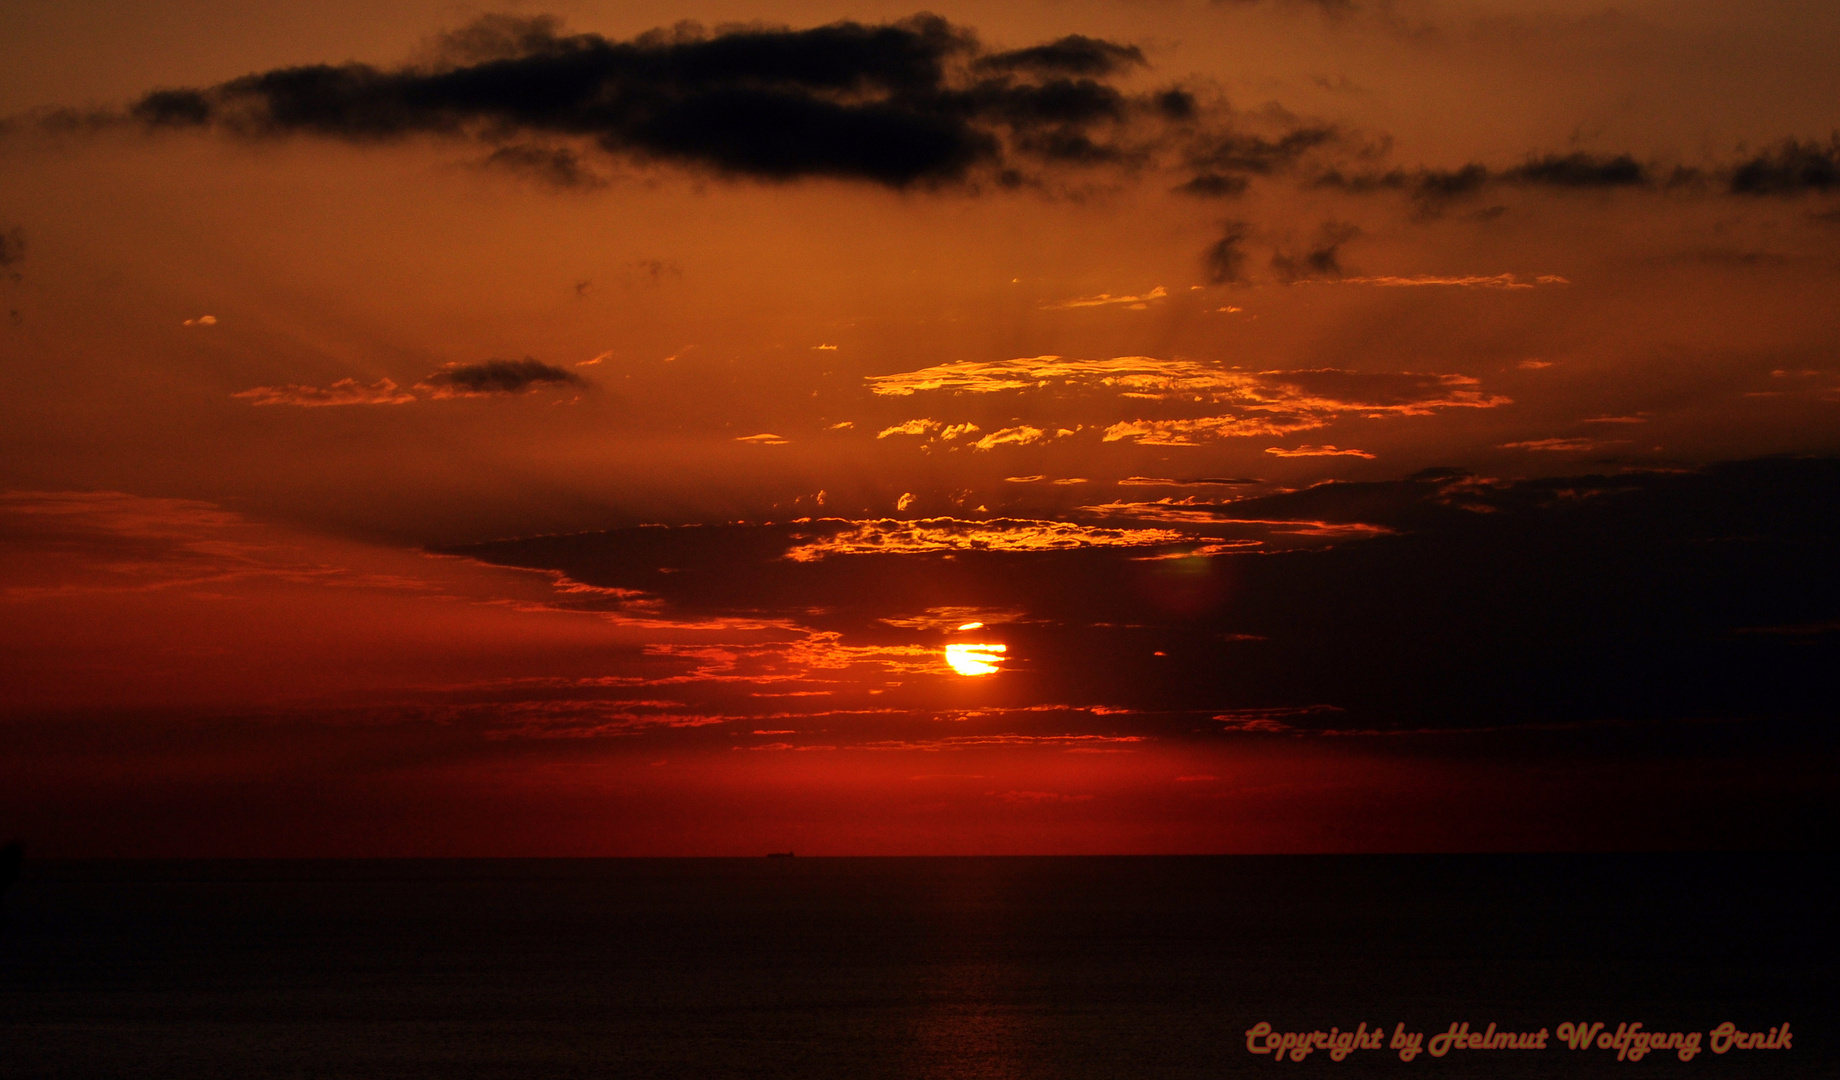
(969, 659)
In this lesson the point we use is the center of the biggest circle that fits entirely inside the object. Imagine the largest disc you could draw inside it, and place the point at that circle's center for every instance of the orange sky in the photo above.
(1136, 348)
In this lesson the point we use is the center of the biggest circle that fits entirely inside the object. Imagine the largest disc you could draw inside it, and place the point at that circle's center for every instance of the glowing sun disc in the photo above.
(971, 659)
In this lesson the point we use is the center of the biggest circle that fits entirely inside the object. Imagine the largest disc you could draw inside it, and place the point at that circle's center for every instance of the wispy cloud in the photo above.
(1307, 450)
(1021, 435)
(940, 619)
(1168, 511)
(559, 167)
(1432, 190)
(1563, 444)
(1196, 511)
(484, 379)
(1789, 168)
(888, 536)
(98, 542)
(1202, 429)
(343, 392)
(1106, 299)
(1201, 481)
(909, 427)
(1495, 281)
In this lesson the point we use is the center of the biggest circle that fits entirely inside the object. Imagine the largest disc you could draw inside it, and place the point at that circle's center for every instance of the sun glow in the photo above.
(969, 659)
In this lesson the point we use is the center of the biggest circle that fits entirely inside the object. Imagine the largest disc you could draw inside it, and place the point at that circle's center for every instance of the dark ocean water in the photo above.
(900, 968)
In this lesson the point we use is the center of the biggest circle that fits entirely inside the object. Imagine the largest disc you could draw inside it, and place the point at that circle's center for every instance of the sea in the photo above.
(858, 968)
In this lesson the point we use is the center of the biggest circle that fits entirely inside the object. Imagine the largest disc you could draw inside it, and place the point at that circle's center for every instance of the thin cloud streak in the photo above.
(889, 536)
(1473, 281)
(490, 378)
(343, 392)
(1107, 299)
(1316, 451)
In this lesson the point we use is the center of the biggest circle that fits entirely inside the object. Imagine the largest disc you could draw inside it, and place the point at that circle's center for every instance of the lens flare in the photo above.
(971, 659)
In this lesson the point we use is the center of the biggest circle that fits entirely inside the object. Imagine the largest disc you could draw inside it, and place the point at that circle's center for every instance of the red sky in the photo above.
(1366, 427)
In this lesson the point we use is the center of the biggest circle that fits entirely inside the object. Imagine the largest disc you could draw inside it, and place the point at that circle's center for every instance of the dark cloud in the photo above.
(1788, 168)
(496, 377)
(558, 167)
(915, 101)
(497, 36)
(1321, 260)
(1579, 170)
(173, 108)
(1327, 7)
(12, 246)
(1225, 163)
(1432, 190)
(1074, 54)
(1225, 259)
(654, 271)
(1176, 104)
(1438, 185)
(1215, 186)
(1157, 481)
(1429, 189)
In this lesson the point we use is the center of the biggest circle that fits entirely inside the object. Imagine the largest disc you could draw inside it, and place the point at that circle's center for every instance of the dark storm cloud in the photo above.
(909, 102)
(496, 377)
(914, 102)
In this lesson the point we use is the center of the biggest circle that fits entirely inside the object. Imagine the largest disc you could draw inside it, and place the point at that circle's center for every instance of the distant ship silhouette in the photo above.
(779, 854)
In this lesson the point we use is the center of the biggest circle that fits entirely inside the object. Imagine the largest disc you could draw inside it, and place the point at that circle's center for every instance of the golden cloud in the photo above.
(1279, 402)
(343, 392)
(888, 536)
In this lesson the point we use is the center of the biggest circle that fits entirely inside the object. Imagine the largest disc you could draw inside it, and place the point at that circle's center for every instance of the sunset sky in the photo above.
(585, 429)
